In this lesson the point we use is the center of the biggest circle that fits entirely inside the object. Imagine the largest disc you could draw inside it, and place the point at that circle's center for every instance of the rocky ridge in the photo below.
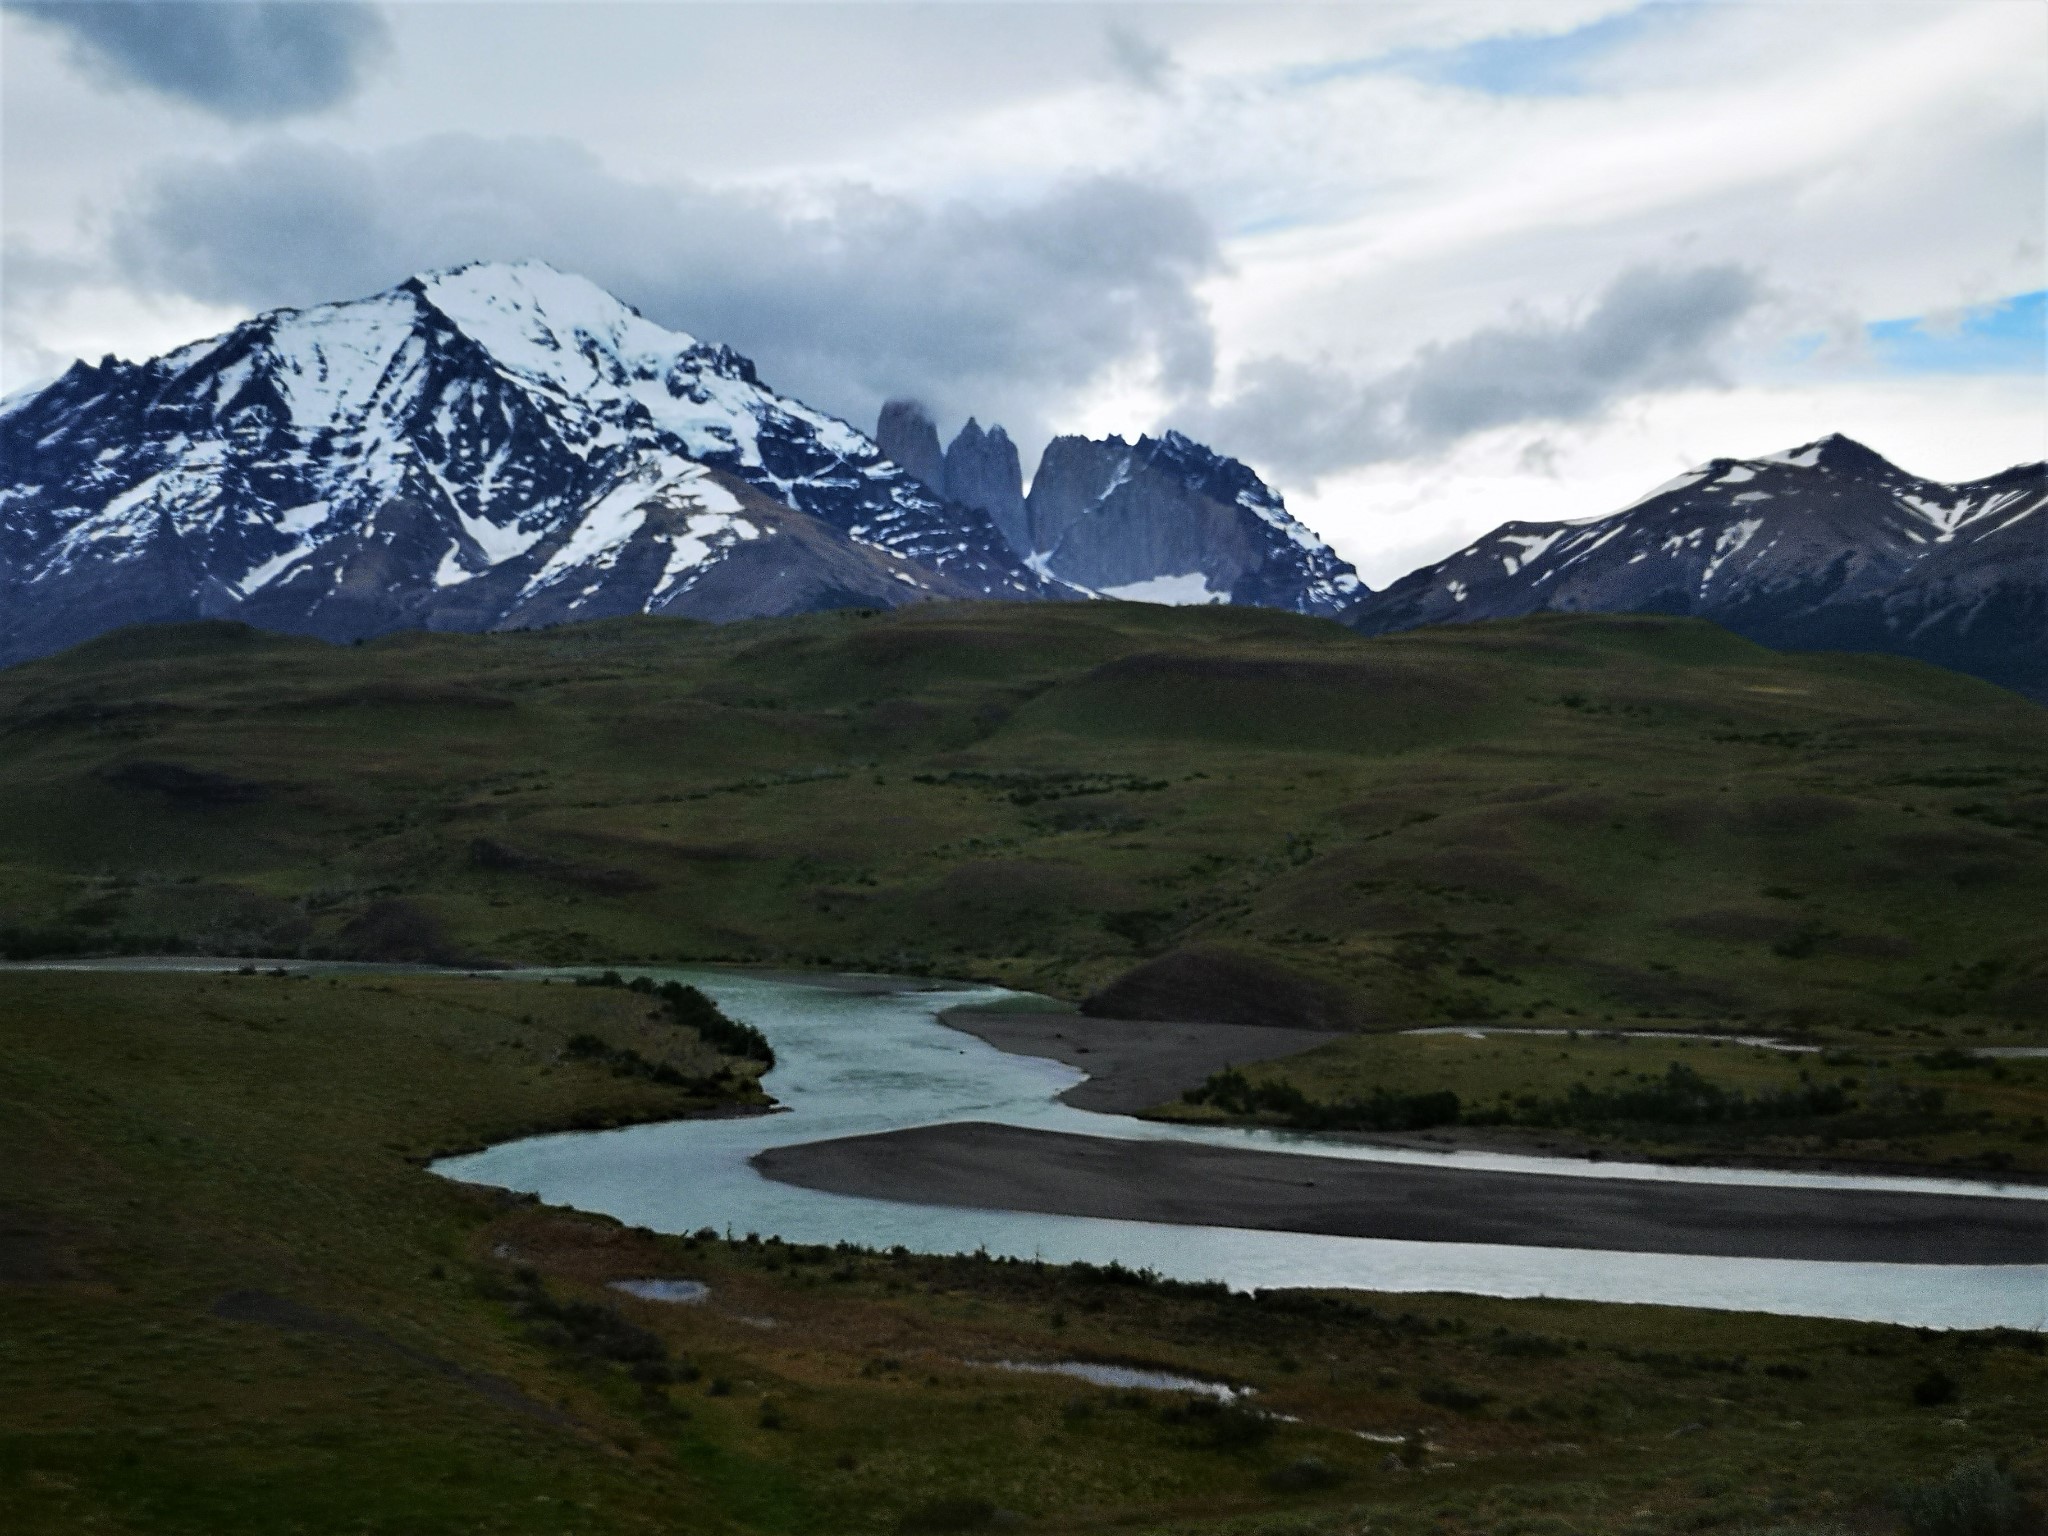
(1165, 519)
(1827, 546)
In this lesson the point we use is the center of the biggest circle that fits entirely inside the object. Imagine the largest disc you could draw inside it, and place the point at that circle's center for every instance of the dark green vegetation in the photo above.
(1592, 819)
(1581, 821)
(1699, 1098)
(234, 1302)
(691, 1009)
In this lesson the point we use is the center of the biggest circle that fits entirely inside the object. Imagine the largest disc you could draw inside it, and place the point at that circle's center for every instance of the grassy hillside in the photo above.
(231, 1301)
(1693, 1100)
(1568, 819)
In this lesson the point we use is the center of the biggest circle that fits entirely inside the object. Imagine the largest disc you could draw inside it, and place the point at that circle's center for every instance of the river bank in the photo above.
(983, 1166)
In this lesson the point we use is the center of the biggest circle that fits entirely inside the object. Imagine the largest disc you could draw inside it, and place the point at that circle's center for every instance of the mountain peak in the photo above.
(906, 433)
(1824, 546)
(534, 318)
(488, 444)
(1835, 452)
(1168, 519)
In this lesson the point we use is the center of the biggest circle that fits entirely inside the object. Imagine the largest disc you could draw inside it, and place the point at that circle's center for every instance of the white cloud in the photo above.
(1649, 330)
(1862, 162)
(844, 298)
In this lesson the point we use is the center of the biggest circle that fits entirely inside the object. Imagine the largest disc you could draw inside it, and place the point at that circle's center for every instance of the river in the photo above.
(851, 1064)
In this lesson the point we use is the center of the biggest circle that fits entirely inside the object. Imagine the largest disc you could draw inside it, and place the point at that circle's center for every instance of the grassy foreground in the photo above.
(233, 1301)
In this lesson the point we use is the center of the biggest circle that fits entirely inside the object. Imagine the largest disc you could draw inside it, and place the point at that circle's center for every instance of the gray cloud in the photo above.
(244, 60)
(1146, 64)
(1651, 329)
(855, 296)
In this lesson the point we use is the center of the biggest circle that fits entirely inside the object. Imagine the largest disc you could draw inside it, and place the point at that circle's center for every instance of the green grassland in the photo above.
(232, 1300)
(1888, 1106)
(1595, 820)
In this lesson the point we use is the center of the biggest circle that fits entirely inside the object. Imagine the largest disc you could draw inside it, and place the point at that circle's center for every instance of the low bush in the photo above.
(1304, 1476)
(1232, 1091)
(1934, 1390)
(946, 1515)
(1448, 1394)
(1976, 1499)
(590, 1329)
(624, 1061)
(1222, 1426)
(691, 1009)
(1682, 1097)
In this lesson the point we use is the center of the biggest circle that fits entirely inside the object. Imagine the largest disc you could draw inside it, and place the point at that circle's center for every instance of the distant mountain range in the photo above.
(1827, 546)
(504, 445)
(498, 446)
(1159, 520)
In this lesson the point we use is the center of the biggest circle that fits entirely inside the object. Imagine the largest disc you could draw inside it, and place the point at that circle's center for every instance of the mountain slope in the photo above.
(1168, 520)
(488, 446)
(1823, 547)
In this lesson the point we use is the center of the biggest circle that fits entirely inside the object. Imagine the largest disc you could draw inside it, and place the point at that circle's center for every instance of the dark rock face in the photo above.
(1167, 520)
(1823, 547)
(906, 434)
(491, 446)
(1208, 985)
(982, 472)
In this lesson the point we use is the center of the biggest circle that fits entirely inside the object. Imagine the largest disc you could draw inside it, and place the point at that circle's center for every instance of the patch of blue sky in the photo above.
(2008, 336)
(1268, 224)
(1516, 63)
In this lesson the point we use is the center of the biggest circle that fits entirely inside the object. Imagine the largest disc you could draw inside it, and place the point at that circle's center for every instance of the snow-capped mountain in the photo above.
(1823, 547)
(488, 446)
(1167, 520)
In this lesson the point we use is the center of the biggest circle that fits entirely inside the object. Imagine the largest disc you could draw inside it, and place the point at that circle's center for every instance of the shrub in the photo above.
(1528, 1346)
(1232, 1091)
(1222, 1426)
(624, 1061)
(589, 1328)
(943, 1515)
(693, 1010)
(1975, 1499)
(1303, 1476)
(1448, 1394)
(1934, 1389)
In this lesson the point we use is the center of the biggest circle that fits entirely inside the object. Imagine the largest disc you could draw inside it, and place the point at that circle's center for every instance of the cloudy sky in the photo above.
(1427, 265)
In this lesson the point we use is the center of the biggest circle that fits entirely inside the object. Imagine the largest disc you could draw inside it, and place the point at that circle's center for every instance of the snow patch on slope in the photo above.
(702, 538)
(1532, 545)
(1691, 477)
(1188, 590)
(1731, 542)
(607, 525)
(1795, 458)
(331, 362)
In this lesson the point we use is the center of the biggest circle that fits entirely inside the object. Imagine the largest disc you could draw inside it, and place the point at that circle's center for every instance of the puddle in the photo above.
(1125, 1377)
(686, 1293)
